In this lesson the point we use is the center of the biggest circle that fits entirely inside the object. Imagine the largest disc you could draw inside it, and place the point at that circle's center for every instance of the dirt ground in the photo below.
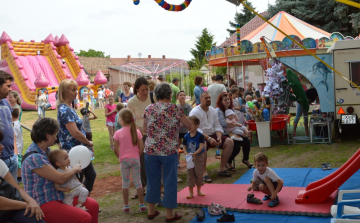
(111, 184)
(107, 191)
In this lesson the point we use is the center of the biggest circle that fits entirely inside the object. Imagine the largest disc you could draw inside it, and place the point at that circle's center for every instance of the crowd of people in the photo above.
(147, 128)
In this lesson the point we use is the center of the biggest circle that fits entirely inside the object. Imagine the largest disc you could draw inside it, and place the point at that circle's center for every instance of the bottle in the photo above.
(218, 154)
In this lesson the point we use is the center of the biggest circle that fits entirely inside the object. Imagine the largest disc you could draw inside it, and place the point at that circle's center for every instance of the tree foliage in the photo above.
(242, 17)
(204, 42)
(91, 53)
(330, 16)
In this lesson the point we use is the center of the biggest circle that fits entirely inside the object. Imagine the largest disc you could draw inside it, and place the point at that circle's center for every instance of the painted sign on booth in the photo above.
(321, 77)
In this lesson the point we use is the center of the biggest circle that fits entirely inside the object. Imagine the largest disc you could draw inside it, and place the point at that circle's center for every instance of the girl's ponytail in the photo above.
(133, 131)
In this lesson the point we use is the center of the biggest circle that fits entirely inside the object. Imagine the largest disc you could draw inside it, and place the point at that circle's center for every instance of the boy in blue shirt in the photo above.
(193, 144)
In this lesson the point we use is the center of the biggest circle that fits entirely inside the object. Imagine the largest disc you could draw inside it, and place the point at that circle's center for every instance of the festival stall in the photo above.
(278, 55)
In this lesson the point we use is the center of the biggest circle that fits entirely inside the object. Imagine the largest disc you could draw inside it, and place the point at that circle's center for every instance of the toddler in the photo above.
(110, 113)
(128, 148)
(119, 106)
(239, 129)
(59, 158)
(87, 127)
(266, 179)
(193, 144)
(19, 138)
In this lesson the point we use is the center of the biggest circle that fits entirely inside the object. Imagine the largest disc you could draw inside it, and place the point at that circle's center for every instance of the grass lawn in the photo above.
(108, 170)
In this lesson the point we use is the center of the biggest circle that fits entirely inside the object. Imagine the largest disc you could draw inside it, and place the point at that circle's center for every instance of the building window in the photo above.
(355, 73)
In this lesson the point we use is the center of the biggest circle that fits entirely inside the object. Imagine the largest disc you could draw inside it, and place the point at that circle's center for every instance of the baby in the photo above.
(60, 160)
(239, 129)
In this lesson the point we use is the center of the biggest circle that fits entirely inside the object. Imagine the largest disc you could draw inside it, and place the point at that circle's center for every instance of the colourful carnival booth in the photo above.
(266, 47)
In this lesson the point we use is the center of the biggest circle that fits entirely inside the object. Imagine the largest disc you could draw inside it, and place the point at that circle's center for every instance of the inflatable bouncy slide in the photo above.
(42, 66)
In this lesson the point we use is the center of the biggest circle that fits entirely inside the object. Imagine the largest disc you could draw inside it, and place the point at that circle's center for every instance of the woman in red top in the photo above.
(110, 113)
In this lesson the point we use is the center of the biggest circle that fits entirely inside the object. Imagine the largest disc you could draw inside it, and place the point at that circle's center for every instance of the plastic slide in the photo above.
(40, 61)
(318, 191)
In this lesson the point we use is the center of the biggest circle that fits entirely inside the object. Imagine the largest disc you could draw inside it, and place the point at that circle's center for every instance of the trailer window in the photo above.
(355, 73)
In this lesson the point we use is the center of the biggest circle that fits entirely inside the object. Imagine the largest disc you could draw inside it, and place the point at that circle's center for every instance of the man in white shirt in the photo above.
(216, 89)
(213, 133)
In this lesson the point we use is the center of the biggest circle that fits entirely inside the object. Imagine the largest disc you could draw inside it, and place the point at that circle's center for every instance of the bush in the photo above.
(189, 84)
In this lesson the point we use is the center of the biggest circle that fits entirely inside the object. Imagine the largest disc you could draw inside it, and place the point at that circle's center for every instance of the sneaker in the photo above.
(142, 209)
(126, 209)
(179, 180)
(266, 198)
(274, 203)
(236, 138)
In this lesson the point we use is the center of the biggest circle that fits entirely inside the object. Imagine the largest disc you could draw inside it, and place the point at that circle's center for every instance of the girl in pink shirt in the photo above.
(128, 148)
(110, 113)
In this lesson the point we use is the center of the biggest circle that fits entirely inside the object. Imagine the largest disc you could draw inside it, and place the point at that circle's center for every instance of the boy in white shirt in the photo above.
(268, 181)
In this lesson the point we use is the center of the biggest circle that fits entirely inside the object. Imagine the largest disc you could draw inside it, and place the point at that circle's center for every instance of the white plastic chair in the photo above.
(346, 210)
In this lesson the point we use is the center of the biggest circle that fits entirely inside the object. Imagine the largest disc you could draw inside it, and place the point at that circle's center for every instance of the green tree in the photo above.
(204, 42)
(330, 16)
(220, 70)
(91, 53)
(242, 17)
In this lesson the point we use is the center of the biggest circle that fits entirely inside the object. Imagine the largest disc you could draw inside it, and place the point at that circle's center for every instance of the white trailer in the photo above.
(346, 60)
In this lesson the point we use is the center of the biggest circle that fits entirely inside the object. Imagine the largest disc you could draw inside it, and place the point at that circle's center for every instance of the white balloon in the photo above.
(80, 155)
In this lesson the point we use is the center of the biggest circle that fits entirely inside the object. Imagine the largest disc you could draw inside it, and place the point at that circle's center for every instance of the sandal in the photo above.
(230, 168)
(328, 166)
(176, 217)
(226, 218)
(152, 216)
(249, 166)
(224, 174)
(274, 203)
(252, 199)
(323, 166)
(266, 198)
(207, 179)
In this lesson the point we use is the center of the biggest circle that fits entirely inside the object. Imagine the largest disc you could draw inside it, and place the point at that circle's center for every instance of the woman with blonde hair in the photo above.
(72, 131)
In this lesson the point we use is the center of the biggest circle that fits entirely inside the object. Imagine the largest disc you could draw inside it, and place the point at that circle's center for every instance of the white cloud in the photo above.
(118, 27)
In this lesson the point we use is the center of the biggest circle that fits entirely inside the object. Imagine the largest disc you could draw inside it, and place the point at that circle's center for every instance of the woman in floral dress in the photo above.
(162, 124)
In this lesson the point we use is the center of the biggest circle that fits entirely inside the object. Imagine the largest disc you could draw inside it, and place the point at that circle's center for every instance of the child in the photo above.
(86, 122)
(269, 183)
(249, 89)
(59, 158)
(119, 106)
(19, 139)
(247, 108)
(128, 148)
(85, 97)
(181, 96)
(110, 113)
(241, 130)
(193, 144)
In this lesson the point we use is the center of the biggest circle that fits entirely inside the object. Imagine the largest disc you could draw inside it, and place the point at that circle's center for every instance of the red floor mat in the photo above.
(233, 197)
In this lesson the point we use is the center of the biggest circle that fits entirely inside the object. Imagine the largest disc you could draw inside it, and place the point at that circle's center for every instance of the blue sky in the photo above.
(118, 27)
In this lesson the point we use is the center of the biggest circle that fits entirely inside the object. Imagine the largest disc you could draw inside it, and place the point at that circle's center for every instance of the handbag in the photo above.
(8, 191)
(47, 105)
